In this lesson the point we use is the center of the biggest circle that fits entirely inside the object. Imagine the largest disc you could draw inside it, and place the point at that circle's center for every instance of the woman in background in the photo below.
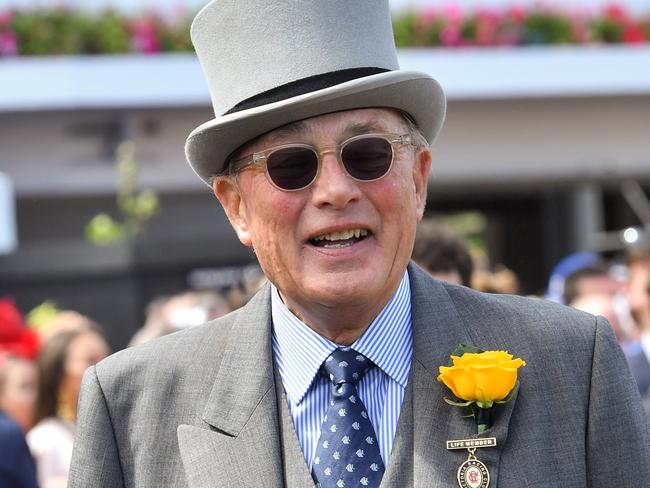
(61, 364)
(18, 388)
(18, 349)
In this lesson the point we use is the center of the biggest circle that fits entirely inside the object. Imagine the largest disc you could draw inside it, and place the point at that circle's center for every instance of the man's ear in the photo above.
(421, 170)
(229, 195)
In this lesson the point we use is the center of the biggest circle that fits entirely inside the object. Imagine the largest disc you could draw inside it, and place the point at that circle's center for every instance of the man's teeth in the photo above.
(342, 235)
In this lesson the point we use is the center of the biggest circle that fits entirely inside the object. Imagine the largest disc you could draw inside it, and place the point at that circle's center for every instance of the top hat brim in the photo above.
(209, 146)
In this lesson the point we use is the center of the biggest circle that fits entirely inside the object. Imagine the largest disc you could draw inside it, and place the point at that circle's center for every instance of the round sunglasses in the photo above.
(293, 167)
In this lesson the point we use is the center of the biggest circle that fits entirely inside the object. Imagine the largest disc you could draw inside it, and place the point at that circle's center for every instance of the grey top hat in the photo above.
(270, 63)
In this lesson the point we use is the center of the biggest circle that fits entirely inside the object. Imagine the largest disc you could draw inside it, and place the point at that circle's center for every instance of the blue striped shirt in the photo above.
(299, 353)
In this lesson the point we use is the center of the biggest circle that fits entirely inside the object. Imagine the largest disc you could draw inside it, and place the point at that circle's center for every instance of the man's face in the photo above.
(286, 229)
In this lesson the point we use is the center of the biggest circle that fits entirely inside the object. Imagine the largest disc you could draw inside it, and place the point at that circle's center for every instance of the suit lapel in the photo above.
(239, 444)
(438, 328)
(399, 472)
(295, 468)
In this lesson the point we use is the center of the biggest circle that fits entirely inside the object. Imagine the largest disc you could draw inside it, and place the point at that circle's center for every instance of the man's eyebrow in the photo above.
(285, 132)
(364, 128)
(299, 128)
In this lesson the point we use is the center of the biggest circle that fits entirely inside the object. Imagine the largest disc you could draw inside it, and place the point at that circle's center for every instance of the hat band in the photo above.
(304, 85)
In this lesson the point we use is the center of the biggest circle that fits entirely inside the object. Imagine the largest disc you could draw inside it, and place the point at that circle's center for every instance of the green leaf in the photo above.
(103, 230)
(458, 404)
(462, 349)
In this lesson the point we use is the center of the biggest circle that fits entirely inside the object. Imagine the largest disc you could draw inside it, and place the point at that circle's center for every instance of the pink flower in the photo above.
(487, 23)
(145, 38)
(428, 15)
(516, 13)
(615, 12)
(450, 35)
(632, 34)
(8, 44)
(580, 31)
(6, 16)
(452, 13)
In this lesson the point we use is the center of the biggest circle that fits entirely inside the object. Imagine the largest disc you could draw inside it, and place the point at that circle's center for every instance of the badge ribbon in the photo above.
(472, 473)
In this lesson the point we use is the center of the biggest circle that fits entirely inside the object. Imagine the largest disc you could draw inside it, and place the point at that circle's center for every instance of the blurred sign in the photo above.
(8, 238)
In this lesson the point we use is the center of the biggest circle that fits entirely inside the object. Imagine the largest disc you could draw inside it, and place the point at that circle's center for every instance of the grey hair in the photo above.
(417, 139)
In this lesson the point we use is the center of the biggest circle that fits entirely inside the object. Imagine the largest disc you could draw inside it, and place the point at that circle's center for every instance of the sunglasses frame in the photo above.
(259, 158)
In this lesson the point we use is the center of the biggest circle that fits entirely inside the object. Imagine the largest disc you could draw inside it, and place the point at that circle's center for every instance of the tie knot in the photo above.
(346, 366)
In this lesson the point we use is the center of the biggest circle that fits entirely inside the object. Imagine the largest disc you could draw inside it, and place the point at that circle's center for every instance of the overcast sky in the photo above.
(635, 5)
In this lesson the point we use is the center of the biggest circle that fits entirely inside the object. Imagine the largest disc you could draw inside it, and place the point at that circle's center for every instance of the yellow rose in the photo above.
(482, 377)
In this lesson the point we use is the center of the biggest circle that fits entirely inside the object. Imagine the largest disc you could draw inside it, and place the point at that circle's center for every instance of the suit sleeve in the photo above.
(95, 458)
(618, 432)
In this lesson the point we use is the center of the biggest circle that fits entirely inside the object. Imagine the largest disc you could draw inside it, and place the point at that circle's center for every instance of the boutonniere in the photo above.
(479, 380)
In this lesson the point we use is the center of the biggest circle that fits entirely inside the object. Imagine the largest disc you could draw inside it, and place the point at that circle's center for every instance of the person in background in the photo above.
(16, 464)
(590, 280)
(442, 254)
(638, 294)
(18, 387)
(167, 315)
(18, 348)
(603, 304)
(63, 320)
(502, 281)
(61, 363)
(18, 376)
(566, 266)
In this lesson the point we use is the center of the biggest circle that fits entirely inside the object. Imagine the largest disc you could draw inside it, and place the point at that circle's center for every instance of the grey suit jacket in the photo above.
(202, 408)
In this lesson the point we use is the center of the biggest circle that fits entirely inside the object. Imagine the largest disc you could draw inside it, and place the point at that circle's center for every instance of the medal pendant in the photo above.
(473, 473)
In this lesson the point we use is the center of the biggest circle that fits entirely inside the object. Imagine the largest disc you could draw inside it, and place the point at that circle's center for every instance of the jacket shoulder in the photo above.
(184, 353)
(520, 312)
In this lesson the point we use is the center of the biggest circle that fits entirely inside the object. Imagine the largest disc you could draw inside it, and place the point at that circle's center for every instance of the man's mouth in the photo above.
(343, 238)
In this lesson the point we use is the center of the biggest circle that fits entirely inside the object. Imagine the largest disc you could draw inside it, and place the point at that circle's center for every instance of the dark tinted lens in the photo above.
(292, 168)
(367, 158)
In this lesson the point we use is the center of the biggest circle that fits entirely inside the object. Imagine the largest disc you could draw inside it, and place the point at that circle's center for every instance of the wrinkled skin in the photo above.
(335, 291)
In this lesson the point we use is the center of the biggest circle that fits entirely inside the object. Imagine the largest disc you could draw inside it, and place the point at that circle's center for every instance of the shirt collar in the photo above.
(299, 351)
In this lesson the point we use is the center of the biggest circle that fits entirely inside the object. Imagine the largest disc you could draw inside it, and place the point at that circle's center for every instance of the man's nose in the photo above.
(334, 187)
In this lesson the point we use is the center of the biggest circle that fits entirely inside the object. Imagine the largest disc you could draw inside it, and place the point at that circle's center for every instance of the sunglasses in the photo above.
(293, 167)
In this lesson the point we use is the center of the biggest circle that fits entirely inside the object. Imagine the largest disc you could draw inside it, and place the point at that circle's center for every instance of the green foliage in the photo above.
(465, 348)
(404, 30)
(54, 31)
(57, 31)
(608, 30)
(135, 207)
(109, 35)
(547, 28)
(517, 26)
(103, 230)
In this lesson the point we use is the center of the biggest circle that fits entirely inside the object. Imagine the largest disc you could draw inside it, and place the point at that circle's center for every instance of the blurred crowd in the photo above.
(40, 378)
(43, 354)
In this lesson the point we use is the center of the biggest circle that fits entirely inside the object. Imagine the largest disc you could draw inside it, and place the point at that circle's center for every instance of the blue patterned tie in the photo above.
(347, 454)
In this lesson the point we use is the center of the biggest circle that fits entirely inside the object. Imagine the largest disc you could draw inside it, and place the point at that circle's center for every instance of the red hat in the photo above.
(16, 339)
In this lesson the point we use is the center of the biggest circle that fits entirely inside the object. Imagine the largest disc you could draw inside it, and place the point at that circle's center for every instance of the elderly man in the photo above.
(319, 156)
